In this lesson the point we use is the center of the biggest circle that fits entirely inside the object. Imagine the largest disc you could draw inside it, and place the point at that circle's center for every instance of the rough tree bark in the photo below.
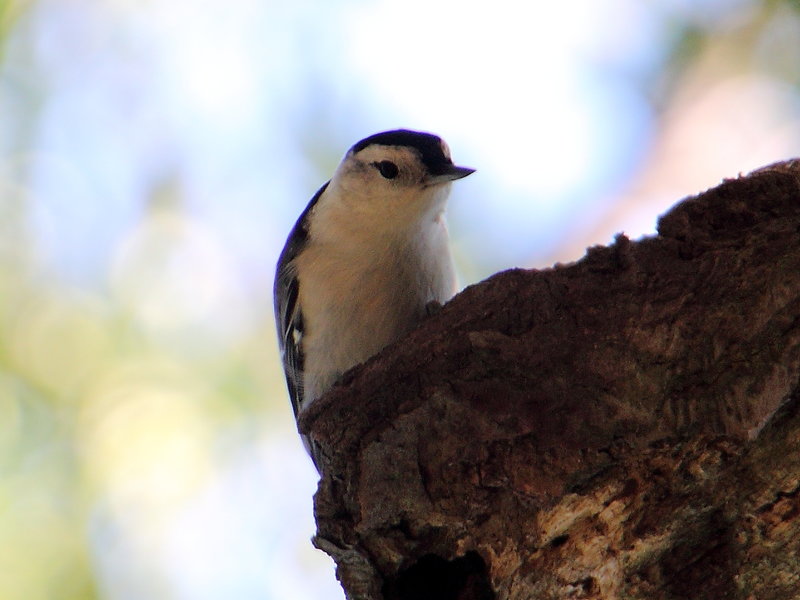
(627, 426)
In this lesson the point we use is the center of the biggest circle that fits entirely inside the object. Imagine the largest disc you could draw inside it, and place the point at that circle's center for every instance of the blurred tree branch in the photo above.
(595, 430)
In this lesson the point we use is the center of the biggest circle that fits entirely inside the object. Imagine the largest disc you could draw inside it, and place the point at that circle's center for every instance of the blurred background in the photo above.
(155, 153)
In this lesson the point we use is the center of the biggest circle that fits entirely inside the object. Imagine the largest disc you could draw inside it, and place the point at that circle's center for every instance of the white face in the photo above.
(379, 165)
(391, 180)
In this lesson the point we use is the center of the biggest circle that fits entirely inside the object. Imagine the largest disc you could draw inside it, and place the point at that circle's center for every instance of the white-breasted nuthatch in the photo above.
(365, 260)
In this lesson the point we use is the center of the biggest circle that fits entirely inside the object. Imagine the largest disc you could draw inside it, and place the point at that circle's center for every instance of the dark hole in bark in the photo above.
(434, 578)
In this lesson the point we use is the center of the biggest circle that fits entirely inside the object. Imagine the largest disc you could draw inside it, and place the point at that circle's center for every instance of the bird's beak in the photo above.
(450, 173)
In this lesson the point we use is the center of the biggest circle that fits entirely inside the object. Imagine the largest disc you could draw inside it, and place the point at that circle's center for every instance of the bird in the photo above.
(366, 260)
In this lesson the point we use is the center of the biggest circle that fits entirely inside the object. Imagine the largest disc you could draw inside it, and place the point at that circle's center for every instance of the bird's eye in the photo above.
(387, 168)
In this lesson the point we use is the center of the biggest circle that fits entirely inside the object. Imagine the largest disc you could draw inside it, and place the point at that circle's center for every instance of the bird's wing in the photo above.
(288, 315)
(289, 319)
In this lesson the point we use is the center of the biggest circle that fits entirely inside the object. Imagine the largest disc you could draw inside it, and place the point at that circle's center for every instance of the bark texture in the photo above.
(627, 426)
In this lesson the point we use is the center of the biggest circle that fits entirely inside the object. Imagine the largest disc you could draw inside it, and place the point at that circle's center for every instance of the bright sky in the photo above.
(220, 91)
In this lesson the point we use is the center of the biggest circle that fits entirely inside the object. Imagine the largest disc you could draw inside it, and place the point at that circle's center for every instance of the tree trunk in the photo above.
(627, 426)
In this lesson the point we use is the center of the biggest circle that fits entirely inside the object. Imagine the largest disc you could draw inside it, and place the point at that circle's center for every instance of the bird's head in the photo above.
(397, 173)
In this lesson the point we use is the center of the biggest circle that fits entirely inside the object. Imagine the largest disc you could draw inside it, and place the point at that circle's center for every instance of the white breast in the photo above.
(365, 287)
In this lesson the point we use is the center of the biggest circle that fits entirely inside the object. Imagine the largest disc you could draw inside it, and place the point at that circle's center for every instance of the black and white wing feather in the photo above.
(288, 314)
